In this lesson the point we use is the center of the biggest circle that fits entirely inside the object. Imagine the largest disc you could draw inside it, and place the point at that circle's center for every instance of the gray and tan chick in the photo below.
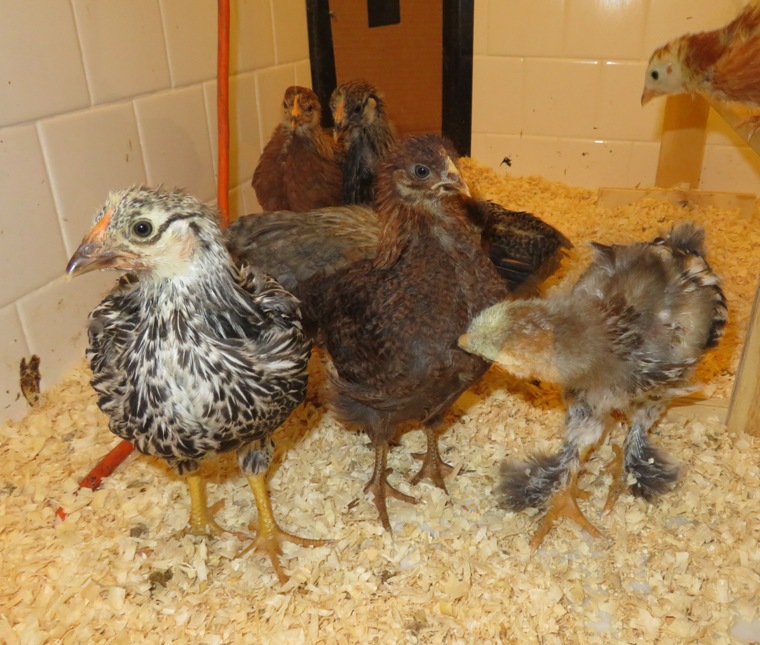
(626, 338)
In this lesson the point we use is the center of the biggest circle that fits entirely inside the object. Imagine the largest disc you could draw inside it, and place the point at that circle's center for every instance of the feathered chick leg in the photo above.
(651, 467)
(552, 480)
(254, 461)
(379, 486)
(432, 465)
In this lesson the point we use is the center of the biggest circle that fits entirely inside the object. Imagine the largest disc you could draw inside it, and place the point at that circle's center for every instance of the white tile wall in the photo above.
(174, 130)
(30, 261)
(99, 148)
(190, 44)
(560, 97)
(123, 47)
(55, 320)
(557, 78)
(252, 46)
(245, 124)
(96, 95)
(604, 29)
(40, 66)
(291, 38)
(13, 348)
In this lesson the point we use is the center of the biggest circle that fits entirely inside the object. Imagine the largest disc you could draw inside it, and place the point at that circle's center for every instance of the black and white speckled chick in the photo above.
(191, 356)
(627, 337)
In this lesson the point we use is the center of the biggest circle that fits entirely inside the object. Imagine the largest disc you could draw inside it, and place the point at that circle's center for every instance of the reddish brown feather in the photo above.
(726, 62)
(300, 168)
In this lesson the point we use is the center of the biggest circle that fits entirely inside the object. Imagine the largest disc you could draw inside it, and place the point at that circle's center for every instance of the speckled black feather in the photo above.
(199, 359)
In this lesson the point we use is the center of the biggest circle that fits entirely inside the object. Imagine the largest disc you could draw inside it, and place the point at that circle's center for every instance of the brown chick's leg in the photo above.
(619, 477)
(269, 536)
(380, 488)
(564, 503)
(432, 465)
(201, 520)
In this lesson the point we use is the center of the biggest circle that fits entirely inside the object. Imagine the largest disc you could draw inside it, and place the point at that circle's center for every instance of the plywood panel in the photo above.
(744, 413)
(405, 61)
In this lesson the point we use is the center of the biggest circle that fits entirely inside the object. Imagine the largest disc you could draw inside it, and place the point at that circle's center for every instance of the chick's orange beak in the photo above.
(647, 95)
(295, 112)
(92, 253)
(338, 118)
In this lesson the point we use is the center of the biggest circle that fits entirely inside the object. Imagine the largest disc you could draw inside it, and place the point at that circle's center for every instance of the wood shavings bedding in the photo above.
(457, 569)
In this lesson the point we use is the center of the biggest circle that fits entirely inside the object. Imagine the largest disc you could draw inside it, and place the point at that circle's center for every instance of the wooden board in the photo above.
(614, 197)
(683, 142)
(744, 412)
(696, 408)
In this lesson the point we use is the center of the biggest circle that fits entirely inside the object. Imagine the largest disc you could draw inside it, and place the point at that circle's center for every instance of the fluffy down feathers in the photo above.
(626, 337)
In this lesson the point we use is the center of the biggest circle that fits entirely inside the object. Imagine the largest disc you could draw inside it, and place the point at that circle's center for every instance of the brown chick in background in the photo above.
(301, 166)
(627, 337)
(364, 133)
(722, 64)
(390, 324)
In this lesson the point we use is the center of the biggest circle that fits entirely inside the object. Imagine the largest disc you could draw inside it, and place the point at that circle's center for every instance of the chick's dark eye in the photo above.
(421, 171)
(143, 228)
(655, 74)
(358, 109)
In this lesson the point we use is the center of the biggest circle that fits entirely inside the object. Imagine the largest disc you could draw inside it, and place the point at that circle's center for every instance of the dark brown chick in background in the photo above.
(390, 324)
(627, 337)
(301, 166)
(190, 355)
(364, 133)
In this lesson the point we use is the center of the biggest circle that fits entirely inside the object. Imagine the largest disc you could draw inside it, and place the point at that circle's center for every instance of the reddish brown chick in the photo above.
(301, 166)
(722, 64)
(391, 324)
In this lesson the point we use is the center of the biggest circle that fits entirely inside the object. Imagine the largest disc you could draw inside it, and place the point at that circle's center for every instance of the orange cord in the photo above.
(223, 110)
(113, 459)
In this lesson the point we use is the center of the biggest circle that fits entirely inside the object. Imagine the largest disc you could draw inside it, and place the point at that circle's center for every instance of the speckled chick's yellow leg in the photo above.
(269, 536)
(201, 520)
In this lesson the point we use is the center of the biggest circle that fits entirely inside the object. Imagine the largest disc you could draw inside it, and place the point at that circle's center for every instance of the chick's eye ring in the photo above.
(143, 228)
(421, 171)
(358, 108)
